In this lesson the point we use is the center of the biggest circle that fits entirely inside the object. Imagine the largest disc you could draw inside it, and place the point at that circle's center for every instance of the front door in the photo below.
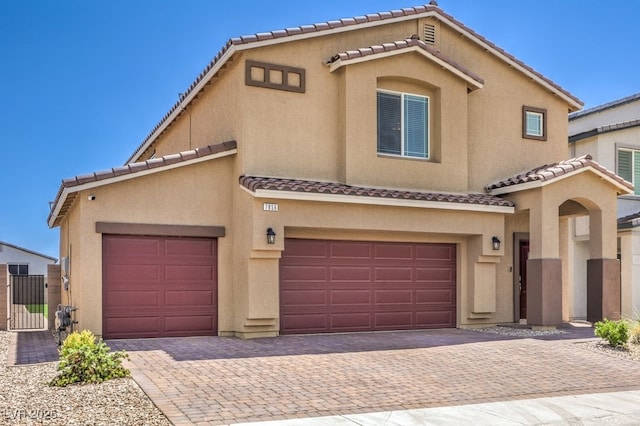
(524, 255)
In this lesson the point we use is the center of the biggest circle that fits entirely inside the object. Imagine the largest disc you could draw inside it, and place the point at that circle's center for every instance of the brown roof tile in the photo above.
(254, 183)
(413, 41)
(549, 172)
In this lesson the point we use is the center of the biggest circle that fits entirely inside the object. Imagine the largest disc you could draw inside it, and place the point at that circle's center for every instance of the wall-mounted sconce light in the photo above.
(495, 242)
(271, 236)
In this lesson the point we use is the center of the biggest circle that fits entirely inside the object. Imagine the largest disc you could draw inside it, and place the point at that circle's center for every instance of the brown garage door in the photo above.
(159, 286)
(335, 286)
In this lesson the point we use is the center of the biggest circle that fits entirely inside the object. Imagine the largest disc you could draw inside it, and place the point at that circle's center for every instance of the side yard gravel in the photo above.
(26, 399)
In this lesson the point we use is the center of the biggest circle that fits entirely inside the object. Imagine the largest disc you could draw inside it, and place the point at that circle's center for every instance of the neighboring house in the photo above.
(389, 171)
(21, 261)
(611, 133)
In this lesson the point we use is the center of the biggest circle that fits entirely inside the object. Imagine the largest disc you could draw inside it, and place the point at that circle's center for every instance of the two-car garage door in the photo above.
(159, 286)
(339, 286)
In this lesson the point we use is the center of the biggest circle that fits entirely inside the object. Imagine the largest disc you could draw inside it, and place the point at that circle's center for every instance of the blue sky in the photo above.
(84, 82)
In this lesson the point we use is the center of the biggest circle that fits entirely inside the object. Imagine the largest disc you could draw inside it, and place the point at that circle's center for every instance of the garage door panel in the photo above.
(189, 272)
(123, 327)
(304, 273)
(394, 274)
(435, 252)
(350, 297)
(394, 320)
(432, 296)
(394, 251)
(351, 321)
(444, 275)
(119, 300)
(174, 278)
(192, 298)
(395, 297)
(399, 286)
(350, 273)
(198, 324)
(305, 298)
(350, 250)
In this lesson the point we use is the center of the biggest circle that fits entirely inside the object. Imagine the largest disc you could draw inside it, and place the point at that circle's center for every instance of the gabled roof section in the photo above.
(35, 253)
(337, 26)
(543, 175)
(298, 189)
(604, 129)
(413, 44)
(70, 187)
(604, 107)
(630, 221)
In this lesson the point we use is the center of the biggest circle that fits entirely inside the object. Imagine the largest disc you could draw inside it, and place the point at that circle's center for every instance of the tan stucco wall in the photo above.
(194, 195)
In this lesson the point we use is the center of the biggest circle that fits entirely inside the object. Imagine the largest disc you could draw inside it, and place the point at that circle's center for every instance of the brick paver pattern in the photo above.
(193, 387)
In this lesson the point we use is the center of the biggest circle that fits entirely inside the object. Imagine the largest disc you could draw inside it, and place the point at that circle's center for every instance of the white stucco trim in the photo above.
(377, 201)
(539, 184)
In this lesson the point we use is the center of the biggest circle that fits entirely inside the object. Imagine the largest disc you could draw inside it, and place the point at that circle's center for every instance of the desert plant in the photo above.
(616, 333)
(85, 359)
(634, 332)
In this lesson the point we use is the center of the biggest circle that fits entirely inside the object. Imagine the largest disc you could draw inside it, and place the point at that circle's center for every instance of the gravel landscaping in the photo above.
(26, 399)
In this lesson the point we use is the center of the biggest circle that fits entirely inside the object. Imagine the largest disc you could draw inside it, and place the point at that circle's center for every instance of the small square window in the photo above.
(534, 123)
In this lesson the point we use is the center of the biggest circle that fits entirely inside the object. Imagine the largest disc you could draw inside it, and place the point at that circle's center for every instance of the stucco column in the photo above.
(603, 269)
(53, 292)
(4, 296)
(544, 267)
(630, 273)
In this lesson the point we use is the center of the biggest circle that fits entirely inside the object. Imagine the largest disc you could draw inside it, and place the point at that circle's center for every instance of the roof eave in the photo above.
(354, 199)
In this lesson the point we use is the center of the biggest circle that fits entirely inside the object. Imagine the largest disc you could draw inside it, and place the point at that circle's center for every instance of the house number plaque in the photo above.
(270, 207)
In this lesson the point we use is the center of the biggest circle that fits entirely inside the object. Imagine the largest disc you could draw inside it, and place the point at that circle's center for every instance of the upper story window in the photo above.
(403, 124)
(534, 123)
(19, 269)
(629, 167)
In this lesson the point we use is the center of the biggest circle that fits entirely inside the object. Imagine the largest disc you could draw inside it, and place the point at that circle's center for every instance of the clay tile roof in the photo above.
(133, 168)
(412, 41)
(254, 183)
(630, 221)
(553, 171)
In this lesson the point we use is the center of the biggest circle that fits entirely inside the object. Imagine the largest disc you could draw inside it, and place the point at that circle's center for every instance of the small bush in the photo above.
(634, 332)
(83, 360)
(614, 332)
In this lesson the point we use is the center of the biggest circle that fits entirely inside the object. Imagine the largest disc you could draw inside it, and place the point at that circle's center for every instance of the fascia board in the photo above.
(350, 199)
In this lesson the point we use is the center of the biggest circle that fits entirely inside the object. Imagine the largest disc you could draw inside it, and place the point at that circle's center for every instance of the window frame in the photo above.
(542, 112)
(19, 267)
(634, 162)
(427, 130)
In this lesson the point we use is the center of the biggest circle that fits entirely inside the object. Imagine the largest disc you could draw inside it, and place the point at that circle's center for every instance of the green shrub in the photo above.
(614, 332)
(83, 360)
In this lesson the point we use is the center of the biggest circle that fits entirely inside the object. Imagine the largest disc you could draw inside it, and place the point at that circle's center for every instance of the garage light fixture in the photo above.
(271, 236)
(495, 241)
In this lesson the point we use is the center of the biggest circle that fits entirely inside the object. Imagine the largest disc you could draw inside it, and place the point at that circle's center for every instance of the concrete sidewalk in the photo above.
(620, 408)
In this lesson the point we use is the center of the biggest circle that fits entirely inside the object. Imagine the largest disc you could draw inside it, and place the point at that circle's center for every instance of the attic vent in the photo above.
(429, 34)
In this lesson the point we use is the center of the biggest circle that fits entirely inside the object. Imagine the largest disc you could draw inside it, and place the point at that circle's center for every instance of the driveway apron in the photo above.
(216, 380)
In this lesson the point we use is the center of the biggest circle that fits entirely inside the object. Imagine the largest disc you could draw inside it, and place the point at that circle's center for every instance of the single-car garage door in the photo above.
(159, 286)
(337, 286)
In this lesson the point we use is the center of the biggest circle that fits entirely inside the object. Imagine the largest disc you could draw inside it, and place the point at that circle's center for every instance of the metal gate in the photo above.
(28, 308)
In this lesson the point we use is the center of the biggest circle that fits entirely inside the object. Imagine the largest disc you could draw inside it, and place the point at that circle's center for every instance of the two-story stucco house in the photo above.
(384, 172)
(611, 133)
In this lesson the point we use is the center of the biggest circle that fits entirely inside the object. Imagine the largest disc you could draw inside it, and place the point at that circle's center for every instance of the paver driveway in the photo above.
(217, 380)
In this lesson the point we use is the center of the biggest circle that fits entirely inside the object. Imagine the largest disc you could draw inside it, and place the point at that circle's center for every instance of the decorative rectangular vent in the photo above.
(429, 33)
(271, 76)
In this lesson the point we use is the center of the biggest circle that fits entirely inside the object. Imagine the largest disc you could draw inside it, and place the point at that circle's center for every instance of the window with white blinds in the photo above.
(403, 124)
(629, 167)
